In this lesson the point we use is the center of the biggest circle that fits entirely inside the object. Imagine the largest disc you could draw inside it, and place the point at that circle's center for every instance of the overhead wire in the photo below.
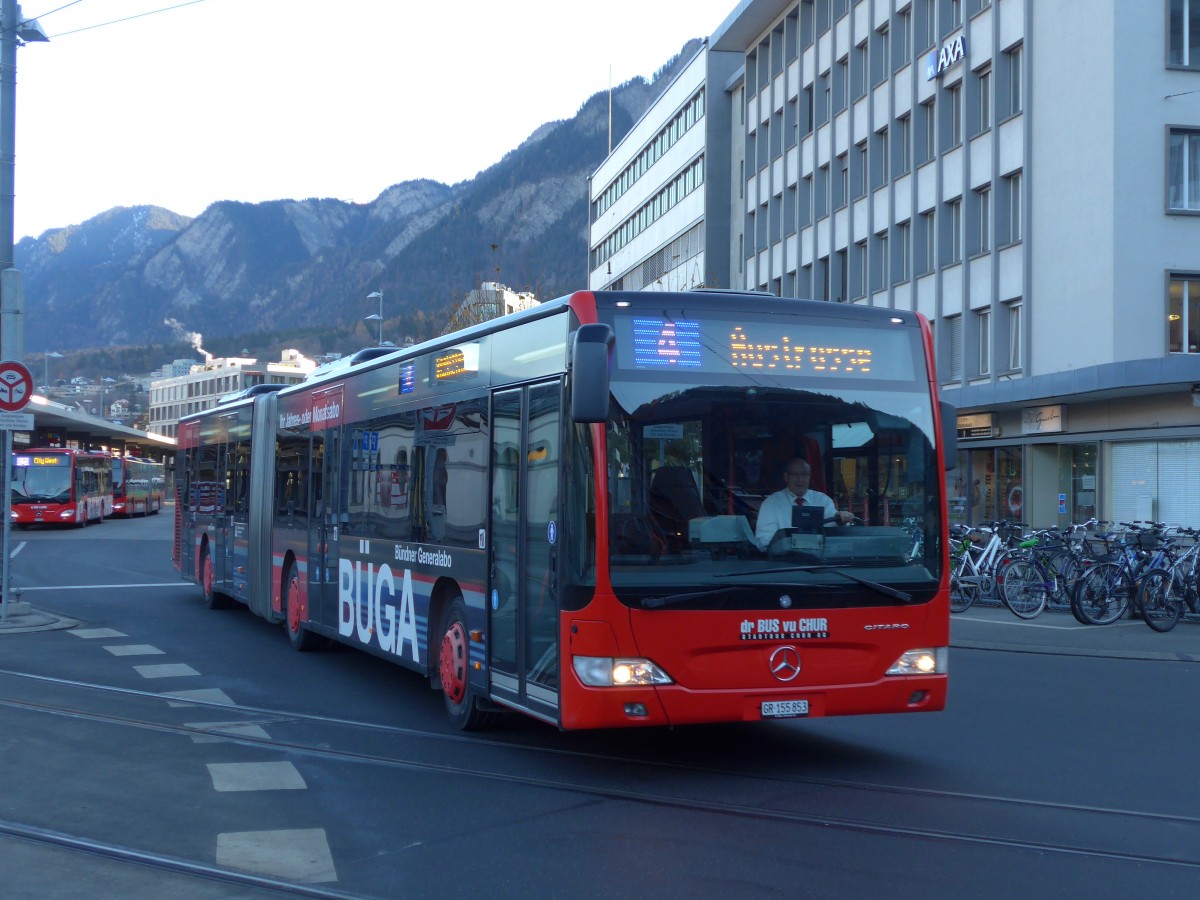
(152, 12)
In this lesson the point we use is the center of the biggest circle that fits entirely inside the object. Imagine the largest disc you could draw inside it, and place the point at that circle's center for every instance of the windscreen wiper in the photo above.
(892, 592)
(673, 599)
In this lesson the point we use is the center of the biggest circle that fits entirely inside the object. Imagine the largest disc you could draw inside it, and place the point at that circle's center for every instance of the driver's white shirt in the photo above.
(776, 513)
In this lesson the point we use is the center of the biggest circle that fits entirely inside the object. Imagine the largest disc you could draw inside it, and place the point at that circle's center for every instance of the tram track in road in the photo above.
(1162, 839)
(166, 863)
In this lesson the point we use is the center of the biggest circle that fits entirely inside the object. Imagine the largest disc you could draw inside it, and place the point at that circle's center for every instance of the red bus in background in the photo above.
(56, 486)
(558, 512)
(138, 486)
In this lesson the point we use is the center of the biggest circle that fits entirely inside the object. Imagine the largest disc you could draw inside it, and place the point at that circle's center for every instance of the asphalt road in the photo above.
(152, 747)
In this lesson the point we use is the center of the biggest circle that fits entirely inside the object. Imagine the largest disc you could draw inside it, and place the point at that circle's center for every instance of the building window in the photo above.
(881, 157)
(954, 115)
(882, 66)
(861, 73)
(985, 342)
(860, 258)
(860, 179)
(1012, 61)
(902, 131)
(983, 232)
(843, 173)
(842, 83)
(1183, 169)
(843, 268)
(1013, 190)
(955, 14)
(928, 133)
(902, 36)
(1183, 34)
(903, 250)
(879, 282)
(1183, 316)
(1014, 337)
(985, 99)
(927, 23)
(953, 367)
(928, 238)
(953, 226)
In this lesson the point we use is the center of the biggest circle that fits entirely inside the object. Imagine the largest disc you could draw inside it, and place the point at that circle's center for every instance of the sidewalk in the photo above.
(1056, 631)
(22, 618)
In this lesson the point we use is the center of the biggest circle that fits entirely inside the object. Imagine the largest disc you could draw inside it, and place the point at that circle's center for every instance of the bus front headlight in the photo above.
(605, 671)
(922, 661)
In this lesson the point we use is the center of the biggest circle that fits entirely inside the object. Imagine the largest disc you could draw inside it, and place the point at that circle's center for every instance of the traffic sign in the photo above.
(16, 386)
(16, 421)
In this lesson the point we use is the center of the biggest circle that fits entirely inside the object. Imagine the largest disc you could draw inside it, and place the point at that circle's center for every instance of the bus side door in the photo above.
(524, 542)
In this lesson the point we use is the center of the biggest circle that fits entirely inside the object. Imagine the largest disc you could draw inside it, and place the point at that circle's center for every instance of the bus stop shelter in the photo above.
(56, 425)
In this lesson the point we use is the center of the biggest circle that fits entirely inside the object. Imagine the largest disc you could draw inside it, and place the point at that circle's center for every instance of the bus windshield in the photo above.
(44, 484)
(696, 476)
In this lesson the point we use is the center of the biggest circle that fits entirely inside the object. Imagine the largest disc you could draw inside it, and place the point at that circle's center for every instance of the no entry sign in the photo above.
(16, 386)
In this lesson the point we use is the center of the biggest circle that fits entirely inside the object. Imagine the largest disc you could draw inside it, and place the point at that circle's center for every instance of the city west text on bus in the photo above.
(57, 486)
(558, 512)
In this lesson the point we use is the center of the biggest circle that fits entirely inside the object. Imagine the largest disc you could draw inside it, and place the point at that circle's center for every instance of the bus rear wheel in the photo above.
(454, 667)
(298, 636)
(212, 599)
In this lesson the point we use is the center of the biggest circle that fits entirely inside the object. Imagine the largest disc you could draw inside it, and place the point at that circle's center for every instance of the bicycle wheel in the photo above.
(1101, 595)
(1063, 568)
(962, 595)
(1161, 605)
(1023, 588)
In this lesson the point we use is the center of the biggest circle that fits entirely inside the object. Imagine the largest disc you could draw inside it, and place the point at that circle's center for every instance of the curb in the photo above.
(35, 620)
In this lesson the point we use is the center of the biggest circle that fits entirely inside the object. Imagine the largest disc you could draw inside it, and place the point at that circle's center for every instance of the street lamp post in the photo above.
(377, 295)
(50, 354)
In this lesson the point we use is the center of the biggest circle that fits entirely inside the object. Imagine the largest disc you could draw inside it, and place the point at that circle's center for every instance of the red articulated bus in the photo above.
(138, 486)
(571, 511)
(56, 486)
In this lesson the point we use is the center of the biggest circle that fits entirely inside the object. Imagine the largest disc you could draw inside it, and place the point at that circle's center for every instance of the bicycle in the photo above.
(1165, 591)
(1066, 556)
(1025, 584)
(973, 568)
(1106, 590)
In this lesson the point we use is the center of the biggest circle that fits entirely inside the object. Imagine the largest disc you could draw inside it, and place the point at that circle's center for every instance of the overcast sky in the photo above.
(266, 99)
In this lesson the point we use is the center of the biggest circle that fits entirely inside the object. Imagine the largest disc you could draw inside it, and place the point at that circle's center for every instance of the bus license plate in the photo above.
(782, 709)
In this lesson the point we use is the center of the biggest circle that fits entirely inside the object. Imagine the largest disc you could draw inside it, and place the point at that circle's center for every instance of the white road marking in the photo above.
(259, 776)
(299, 855)
(132, 650)
(203, 695)
(89, 633)
(17, 549)
(220, 732)
(167, 670)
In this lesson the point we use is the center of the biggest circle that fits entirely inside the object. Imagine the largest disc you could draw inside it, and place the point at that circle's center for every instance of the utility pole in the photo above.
(13, 31)
(12, 295)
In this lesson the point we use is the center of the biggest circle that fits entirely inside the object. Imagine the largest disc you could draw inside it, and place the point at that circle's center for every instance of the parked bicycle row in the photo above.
(1099, 570)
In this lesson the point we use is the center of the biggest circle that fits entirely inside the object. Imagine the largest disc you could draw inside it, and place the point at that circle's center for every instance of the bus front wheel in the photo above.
(454, 666)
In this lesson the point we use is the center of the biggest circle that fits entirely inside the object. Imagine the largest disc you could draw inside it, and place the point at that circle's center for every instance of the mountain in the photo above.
(298, 272)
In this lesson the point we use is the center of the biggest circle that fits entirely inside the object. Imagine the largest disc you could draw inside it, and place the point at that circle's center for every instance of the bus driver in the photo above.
(776, 511)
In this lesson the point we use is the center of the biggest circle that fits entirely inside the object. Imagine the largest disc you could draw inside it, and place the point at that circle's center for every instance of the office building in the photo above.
(1024, 173)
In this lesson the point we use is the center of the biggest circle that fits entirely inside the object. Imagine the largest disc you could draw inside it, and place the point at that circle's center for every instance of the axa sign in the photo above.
(938, 61)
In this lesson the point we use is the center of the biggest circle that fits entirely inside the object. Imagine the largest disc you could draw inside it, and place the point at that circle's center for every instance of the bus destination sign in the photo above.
(764, 347)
